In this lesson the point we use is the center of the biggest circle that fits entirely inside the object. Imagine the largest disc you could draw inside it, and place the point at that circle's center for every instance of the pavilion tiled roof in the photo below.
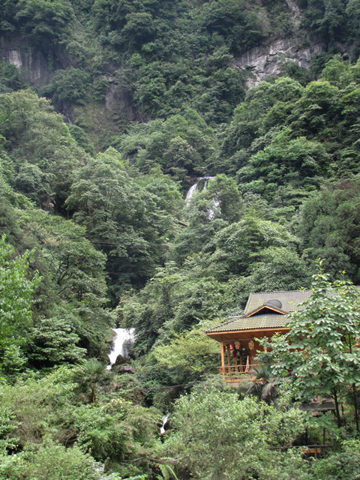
(289, 299)
(266, 320)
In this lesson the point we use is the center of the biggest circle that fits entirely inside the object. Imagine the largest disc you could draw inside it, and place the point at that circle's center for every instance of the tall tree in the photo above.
(319, 352)
(17, 290)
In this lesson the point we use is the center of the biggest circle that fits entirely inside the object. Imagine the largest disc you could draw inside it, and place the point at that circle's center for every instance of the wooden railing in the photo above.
(236, 370)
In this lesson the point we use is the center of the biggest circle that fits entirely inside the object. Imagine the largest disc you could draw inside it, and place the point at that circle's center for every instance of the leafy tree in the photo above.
(43, 153)
(89, 375)
(44, 21)
(211, 209)
(53, 342)
(230, 19)
(241, 243)
(210, 450)
(175, 300)
(284, 162)
(326, 18)
(17, 294)
(224, 191)
(11, 78)
(49, 461)
(190, 350)
(318, 352)
(67, 86)
(329, 228)
(70, 307)
(277, 269)
(344, 464)
(120, 217)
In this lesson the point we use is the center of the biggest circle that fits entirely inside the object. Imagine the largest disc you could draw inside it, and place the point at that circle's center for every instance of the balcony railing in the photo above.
(236, 370)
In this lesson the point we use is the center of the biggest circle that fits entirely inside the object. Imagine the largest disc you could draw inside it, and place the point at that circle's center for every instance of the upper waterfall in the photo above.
(194, 187)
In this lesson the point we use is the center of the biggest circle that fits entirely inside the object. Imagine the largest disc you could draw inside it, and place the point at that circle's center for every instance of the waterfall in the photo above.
(122, 337)
(193, 189)
(191, 192)
(165, 422)
(213, 210)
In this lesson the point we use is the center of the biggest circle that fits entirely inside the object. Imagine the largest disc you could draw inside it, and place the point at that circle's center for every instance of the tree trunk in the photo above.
(337, 408)
(354, 393)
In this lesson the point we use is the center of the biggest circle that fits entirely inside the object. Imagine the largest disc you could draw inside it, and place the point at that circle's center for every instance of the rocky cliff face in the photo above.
(266, 60)
(36, 68)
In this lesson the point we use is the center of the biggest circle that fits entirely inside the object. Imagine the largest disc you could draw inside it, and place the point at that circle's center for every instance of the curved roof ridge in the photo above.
(281, 291)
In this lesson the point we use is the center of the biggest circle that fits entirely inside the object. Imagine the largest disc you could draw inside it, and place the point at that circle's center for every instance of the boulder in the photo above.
(121, 360)
(123, 369)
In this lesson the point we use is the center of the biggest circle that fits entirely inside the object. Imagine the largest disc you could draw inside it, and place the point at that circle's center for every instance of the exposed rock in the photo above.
(265, 60)
(123, 369)
(295, 11)
(120, 101)
(35, 66)
(120, 360)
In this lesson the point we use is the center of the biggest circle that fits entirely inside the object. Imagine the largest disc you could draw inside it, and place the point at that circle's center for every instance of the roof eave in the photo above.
(265, 329)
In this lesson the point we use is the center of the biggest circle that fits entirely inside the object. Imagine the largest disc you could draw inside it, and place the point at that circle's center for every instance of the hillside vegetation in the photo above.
(143, 98)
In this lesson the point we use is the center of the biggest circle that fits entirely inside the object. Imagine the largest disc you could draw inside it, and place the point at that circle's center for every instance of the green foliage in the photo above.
(328, 18)
(100, 87)
(170, 66)
(17, 290)
(43, 153)
(284, 162)
(68, 85)
(191, 350)
(233, 23)
(81, 139)
(53, 341)
(46, 416)
(10, 78)
(329, 228)
(73, 295)
(241, 243)
(277, 269)
(49, 461)
(201, 85)
(210, 449)
(182, 145)
(318, 351)
(174, 300)
(41, 21)
(344, 464)
(120, 216)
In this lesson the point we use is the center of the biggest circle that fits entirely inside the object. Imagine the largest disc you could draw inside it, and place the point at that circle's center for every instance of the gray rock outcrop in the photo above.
(34, 65)
(266, 60)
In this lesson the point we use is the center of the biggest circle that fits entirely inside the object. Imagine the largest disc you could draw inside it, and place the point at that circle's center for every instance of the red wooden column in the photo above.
(222, 358)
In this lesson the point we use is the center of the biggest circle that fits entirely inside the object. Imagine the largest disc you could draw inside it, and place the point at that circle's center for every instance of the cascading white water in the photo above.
(213, 210)
(122, 335)
(194, 187)
(191, 192)
(165, 421)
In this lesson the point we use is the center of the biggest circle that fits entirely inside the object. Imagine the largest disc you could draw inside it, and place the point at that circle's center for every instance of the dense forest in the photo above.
(110, 110)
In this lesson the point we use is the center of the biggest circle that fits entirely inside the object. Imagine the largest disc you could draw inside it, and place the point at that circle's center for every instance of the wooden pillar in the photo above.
(222, 358)
(228, 357)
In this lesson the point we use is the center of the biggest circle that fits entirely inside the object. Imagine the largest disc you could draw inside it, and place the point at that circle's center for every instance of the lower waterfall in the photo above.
(123, 337)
